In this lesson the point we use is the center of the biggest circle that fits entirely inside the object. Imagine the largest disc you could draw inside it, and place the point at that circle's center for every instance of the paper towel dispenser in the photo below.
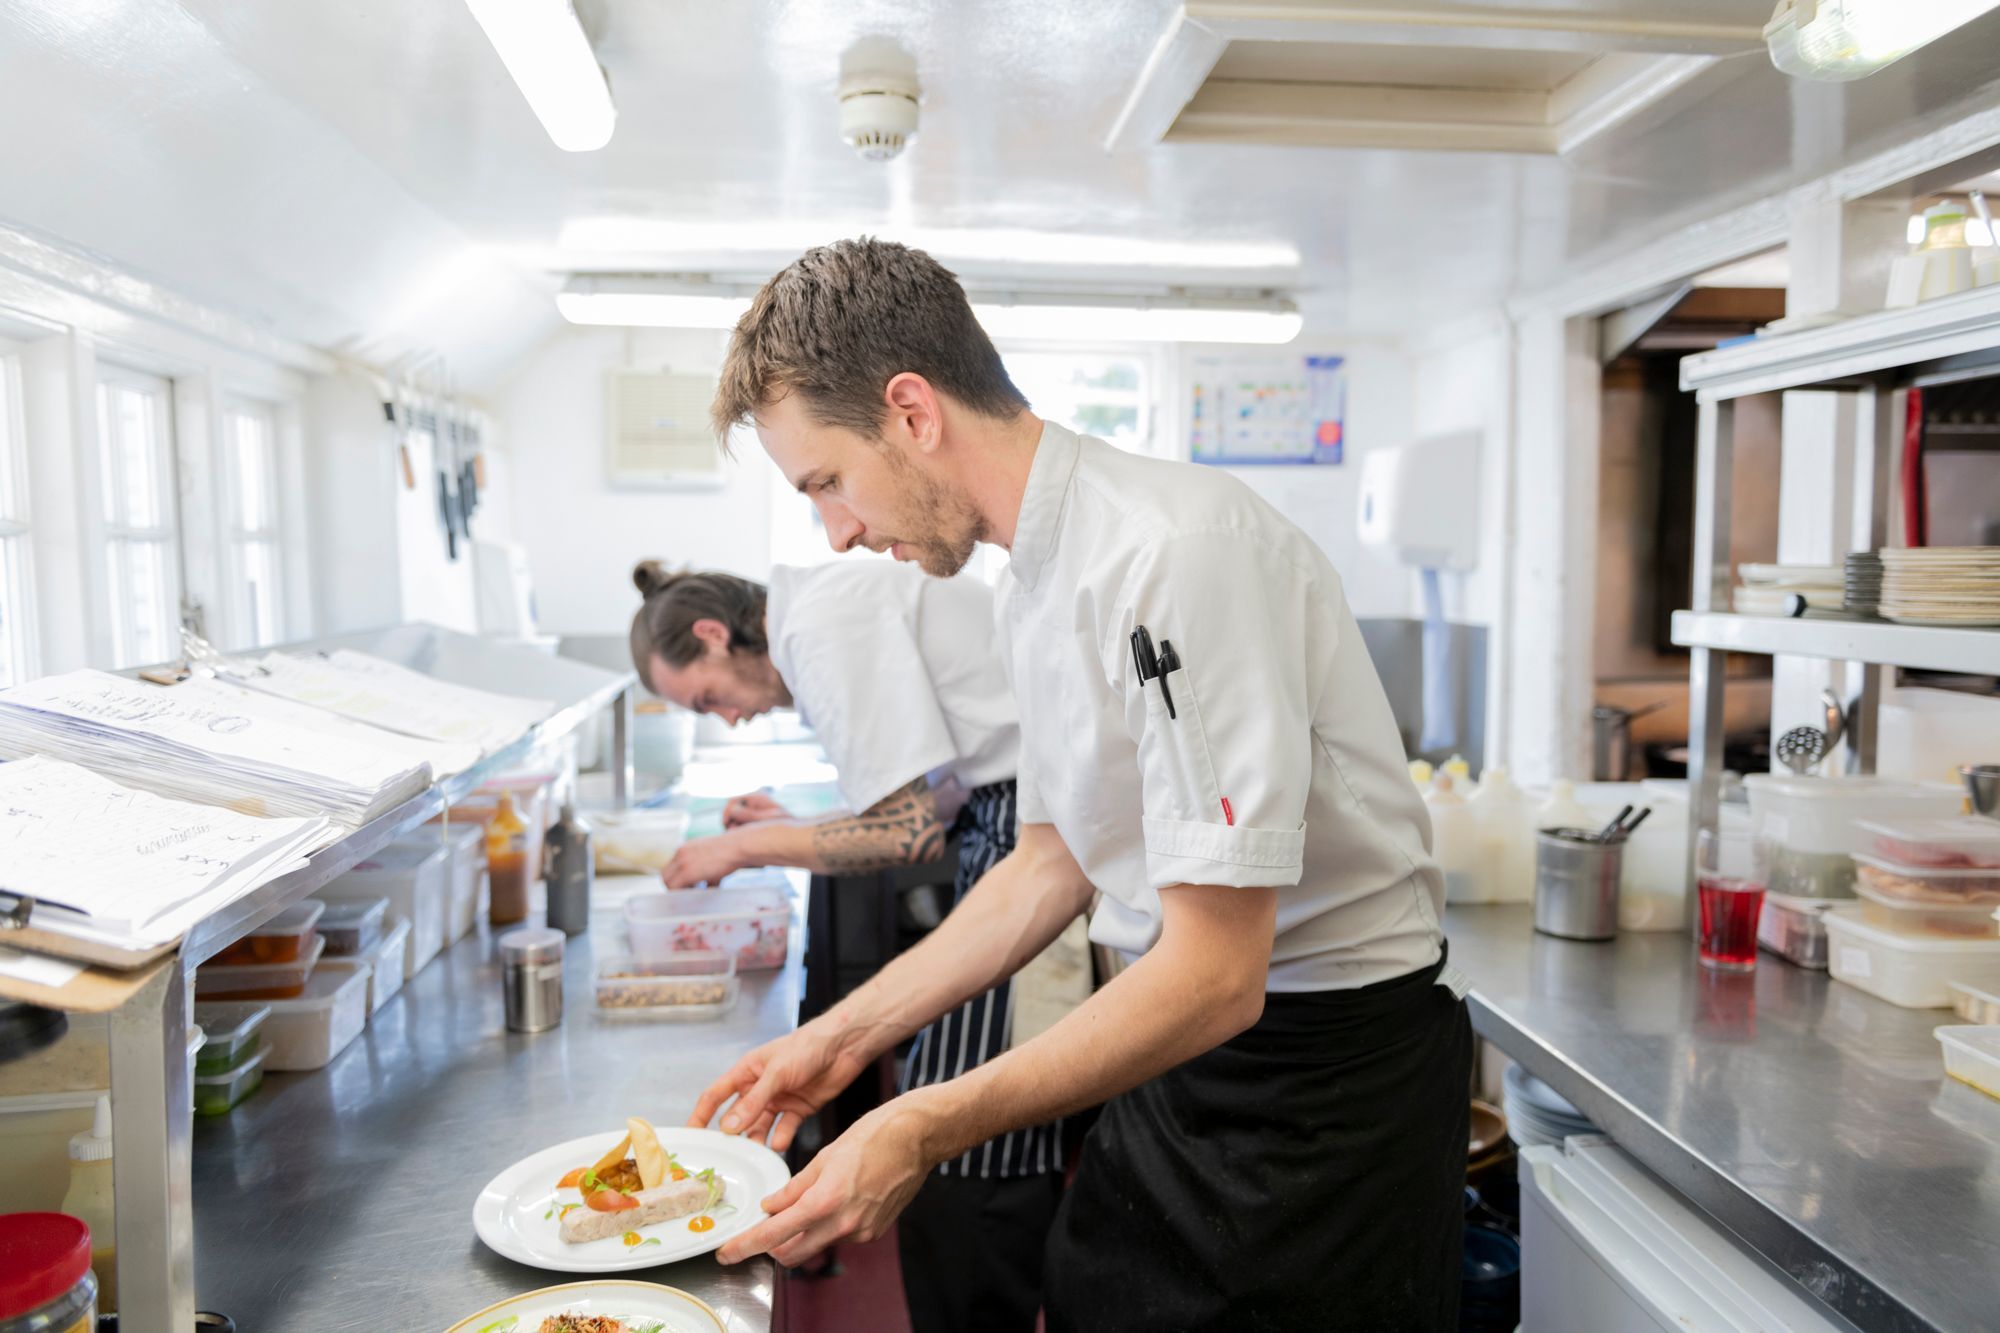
(1420, 501)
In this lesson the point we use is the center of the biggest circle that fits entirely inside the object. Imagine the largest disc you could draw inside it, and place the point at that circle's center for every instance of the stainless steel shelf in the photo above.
(1975, 651)
(1939, 338)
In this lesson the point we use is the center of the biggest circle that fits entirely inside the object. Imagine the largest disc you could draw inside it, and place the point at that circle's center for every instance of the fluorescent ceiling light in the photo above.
(1848, 39)
(665, 303)
(544, 47)
(998, 245)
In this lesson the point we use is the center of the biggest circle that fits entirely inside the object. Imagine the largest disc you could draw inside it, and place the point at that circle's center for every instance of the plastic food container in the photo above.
(1972, 890)
(351, 926)
(1972, 1055)
(285, 938)
(1895, 912)
(411, 875)
(1810, 827)
(218, 1094)
(684, 985)
(753, 924)
(46, 1284)
(1794, 929)
(308, 1032)
(465, 874)
(258, 981)
(235, 1032)
(637, 841)
(1964, 842)
(1915, 971)
(385, 964)
(1975, 1005)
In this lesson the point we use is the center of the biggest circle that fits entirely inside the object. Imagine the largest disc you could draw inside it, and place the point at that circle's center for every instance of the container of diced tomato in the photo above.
(285, 938)
(753, 923)
(258, 981)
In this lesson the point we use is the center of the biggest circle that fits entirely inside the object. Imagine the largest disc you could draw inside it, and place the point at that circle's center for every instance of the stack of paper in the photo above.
(383, 694)
(207, 741)
(105, 861)
(444, 757)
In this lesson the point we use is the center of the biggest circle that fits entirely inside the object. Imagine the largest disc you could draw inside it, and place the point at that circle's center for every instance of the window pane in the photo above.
(251, 449)
(257, 611)
(107, 453)
(144, 618)
(10, 446)
(1095, 393)
(139, 456)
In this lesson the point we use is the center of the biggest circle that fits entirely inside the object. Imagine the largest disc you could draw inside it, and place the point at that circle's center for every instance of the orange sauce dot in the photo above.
(702, 1224)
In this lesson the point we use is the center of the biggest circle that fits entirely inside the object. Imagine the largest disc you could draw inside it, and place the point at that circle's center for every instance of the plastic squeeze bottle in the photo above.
(89, 1201)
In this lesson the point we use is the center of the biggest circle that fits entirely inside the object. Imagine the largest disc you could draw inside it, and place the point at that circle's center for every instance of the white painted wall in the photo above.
(583, 536)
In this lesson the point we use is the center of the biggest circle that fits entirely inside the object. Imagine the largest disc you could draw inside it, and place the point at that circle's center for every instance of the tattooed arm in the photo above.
(900, 829)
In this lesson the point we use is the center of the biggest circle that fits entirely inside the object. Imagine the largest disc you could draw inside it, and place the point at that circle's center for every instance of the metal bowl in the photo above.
(1982, 784)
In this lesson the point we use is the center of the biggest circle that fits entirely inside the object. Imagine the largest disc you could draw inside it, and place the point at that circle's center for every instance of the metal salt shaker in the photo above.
(531, 966)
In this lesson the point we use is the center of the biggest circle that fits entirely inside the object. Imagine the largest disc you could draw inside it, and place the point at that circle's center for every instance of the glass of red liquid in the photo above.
(1729, 879)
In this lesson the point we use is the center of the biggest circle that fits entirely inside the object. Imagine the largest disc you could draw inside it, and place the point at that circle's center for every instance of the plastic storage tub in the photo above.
(258, 981)
(285, 938)
(218, 1094)
(1915, 971)
(1927, 734)
(465, 878)
(1972, 1055)
(352, 926)
(308, 1032)
(755, 924)
(383, 963)
(411, 875)
(1975, 1006)
(1963, 842)
(235, 1033)
(685, 985)
(1809, 828)
(1794, 929)
(636, 842)
(1918, 916)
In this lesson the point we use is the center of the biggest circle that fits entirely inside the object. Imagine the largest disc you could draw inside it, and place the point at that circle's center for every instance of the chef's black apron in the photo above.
(1307, 1174)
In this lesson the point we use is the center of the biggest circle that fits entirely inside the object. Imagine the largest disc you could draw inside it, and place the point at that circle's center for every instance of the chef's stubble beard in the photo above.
(945, 525)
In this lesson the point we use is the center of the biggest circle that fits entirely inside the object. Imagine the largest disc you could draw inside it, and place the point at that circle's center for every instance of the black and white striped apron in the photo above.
(980, 1028)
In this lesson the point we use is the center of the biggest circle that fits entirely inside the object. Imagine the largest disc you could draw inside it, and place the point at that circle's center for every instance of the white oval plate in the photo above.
(512, 1214)
(637, 1303)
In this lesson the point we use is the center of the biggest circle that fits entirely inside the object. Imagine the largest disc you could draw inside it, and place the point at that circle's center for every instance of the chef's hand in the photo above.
(703, 861)
(752, 808)
(854, 1189)
(780, 1083)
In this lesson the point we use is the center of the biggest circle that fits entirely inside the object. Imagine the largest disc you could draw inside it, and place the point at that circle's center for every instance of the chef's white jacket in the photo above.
(1280, 715)
(897, 673)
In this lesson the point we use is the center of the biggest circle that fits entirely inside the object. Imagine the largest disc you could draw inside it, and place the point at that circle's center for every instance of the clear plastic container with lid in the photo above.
(752, 923)
(1895, 910)
(1810, 828)
(219, 1093)
(1972, 1055)
(258, 981)
(685, 985)
(411, 875)
(1914, 971)
(306, 1033)
(1794, 929)
(285, 938)
(235, 1032)
(351, 926)
(45, 1281)
(1965, 842)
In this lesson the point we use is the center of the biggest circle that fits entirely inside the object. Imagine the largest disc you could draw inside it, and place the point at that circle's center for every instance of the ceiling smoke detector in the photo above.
(878, 98)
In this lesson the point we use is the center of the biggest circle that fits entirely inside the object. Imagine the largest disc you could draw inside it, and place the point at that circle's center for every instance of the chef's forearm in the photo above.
(1015, 910)
(900, 829)
(1200, 985)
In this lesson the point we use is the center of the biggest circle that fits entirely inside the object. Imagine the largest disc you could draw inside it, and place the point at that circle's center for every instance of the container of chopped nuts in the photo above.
(692, 985)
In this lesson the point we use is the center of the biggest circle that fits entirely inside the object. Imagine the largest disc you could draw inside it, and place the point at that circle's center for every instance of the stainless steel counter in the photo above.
(342, 1199)
(1810, 1119)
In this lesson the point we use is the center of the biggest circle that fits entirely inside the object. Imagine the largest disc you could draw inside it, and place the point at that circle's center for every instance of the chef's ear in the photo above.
(913, 412)
(712, 632)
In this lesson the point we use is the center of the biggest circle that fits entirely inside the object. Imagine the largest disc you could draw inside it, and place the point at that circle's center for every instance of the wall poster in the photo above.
(1265, 408)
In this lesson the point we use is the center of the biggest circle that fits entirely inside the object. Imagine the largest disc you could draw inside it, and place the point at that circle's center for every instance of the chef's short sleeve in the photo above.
(1224, 773)
(862, 684)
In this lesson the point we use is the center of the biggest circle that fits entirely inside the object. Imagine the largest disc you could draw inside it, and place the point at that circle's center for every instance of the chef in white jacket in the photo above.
(898, 677)
(1205, 742)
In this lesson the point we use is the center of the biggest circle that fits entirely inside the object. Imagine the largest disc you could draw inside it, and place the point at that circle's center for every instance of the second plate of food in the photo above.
(540, 1210)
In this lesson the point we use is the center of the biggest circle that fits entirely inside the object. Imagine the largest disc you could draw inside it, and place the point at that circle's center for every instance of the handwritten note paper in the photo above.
(374, 690)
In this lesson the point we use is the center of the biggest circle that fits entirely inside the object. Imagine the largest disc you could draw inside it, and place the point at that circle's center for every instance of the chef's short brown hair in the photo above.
(675, 600)
(845, 319)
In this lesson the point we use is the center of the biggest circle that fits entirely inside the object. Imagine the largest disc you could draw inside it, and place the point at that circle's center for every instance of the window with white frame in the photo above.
(254, 546)
(135, 446)
(1106, 392)
(17, 608)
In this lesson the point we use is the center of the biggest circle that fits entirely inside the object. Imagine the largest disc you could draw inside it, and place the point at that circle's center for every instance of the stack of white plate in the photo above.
(1537, 1115)
(1942, 585)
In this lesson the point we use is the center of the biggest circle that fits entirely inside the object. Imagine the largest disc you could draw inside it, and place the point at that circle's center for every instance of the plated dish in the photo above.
(596, 1307)
(614, 1202)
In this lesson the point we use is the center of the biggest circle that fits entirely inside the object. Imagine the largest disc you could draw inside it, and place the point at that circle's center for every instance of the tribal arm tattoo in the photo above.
(901, 829)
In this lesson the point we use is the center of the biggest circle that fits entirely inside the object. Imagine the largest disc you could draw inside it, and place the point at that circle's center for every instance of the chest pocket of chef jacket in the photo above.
(1173, 754)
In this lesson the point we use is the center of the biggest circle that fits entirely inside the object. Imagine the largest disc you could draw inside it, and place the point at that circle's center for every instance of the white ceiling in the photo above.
(362, 175)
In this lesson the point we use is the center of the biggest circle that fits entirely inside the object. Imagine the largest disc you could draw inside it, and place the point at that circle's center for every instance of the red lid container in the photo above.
(42, 1256)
